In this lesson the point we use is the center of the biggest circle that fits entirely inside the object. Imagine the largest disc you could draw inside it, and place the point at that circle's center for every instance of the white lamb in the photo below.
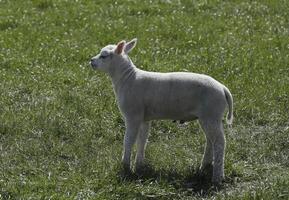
(143, 96)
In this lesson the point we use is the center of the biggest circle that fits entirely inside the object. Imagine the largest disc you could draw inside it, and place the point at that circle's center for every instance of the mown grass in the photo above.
(60, 129)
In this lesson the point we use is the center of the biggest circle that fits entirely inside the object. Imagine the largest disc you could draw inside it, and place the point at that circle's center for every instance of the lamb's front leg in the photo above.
(141, 144)
(132, 129)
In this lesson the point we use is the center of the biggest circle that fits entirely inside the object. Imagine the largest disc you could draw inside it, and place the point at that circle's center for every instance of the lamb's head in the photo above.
(112, 55)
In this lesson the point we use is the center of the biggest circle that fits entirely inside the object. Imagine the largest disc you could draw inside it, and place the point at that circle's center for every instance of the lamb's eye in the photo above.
(102, 56)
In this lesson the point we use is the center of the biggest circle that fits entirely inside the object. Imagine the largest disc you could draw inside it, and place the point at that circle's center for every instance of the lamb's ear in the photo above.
(119, 47)
(130, 45)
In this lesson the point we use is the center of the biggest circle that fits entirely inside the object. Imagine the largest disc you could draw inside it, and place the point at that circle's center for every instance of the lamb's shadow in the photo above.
(191, 180)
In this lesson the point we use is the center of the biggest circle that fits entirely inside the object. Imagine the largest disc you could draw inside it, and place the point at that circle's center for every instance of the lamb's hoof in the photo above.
(207, 170)
(217, 182)
(144, 170)
(141, 169)
(125, 171)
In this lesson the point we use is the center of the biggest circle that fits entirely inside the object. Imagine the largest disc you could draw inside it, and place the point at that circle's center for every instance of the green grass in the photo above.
(61, 131)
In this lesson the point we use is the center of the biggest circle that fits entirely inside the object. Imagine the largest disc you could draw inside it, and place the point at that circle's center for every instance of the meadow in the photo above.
(60, 129)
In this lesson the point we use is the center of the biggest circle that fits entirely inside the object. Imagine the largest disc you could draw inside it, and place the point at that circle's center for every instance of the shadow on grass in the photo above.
(191, 180)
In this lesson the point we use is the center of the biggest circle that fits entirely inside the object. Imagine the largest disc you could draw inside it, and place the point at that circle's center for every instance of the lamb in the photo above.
(143, 96)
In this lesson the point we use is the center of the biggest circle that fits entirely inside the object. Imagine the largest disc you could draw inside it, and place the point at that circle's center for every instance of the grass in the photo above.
(61, 131)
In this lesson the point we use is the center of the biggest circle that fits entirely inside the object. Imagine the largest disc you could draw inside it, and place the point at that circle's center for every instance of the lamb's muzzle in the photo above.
(143, 96)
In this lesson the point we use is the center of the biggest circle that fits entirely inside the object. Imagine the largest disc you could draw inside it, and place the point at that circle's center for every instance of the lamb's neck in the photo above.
(122, 74)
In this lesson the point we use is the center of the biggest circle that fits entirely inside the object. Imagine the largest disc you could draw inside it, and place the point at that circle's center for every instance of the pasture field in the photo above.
(60, 129)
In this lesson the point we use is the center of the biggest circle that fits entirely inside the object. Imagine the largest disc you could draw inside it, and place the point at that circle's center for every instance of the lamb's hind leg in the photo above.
(207, 161)
(215, 134)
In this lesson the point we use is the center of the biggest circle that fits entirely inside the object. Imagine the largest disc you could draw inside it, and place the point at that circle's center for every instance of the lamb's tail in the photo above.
(229, 99)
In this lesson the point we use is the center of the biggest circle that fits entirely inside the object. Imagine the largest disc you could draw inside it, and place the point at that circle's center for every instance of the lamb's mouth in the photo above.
(93, 65)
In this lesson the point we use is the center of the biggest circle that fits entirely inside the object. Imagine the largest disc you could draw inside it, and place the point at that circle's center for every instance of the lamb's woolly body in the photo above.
(143, 96)
(176, 96)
